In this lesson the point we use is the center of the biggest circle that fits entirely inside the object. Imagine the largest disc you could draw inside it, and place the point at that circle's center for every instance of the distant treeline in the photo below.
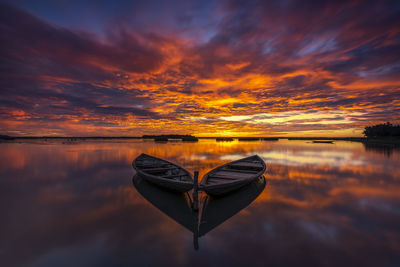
(6, 137)
(382, 130)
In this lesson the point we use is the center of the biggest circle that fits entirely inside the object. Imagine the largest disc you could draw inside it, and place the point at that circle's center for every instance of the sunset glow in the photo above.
(226, 68)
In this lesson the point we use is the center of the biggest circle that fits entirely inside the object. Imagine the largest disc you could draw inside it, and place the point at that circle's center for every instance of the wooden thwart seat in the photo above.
(247, 164)
(217, 177)
(241, 171)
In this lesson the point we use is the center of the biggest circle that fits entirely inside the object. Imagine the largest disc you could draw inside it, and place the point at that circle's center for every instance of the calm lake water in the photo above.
(74, 204)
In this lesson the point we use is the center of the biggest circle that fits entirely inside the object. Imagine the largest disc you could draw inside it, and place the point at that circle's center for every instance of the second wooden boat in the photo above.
(163, 173)
(232, 176)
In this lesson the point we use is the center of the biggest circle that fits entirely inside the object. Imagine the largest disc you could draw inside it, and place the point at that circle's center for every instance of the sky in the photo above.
(207, 68)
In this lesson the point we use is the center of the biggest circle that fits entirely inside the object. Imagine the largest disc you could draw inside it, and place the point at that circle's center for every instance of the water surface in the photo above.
(73, 204)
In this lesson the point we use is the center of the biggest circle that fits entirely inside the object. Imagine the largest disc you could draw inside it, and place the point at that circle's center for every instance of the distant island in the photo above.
(166, 137)
(225, 139)
(249, 138)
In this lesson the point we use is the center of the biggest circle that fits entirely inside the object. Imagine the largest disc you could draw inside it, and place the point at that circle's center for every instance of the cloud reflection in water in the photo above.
(74, 203)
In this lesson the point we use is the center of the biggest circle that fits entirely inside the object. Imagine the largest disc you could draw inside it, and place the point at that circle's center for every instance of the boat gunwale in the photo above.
(160, 177)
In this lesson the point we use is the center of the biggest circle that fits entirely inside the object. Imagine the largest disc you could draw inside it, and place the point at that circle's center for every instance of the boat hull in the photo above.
(219, 190)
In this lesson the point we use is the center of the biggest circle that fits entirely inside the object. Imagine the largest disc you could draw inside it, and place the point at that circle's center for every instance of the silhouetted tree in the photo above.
(382, 130)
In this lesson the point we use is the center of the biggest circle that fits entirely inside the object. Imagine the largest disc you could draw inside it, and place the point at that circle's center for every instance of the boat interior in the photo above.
(161, 168)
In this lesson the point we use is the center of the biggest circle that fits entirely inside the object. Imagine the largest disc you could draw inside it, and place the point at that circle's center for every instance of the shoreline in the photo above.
(389, 141)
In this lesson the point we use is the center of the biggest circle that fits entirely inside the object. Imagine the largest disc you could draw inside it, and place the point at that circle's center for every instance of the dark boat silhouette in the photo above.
(177, 206)
(232, 176)
(163, 173)
(216, 210)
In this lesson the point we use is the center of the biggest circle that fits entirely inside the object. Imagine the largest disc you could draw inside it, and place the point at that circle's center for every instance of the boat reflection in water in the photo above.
(213, 210)
(177, 206)
(216, 210)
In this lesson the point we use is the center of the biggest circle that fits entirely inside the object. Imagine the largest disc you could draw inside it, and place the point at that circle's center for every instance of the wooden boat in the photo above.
(163, 173)
(232, 176)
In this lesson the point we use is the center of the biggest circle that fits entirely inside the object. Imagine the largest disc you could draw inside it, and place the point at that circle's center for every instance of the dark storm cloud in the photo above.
(27, 34)
(73, 99)
(32, 50)
(285, 28)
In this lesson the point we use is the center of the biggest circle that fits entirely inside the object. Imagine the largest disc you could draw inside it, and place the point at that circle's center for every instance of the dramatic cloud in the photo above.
(253, 68)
